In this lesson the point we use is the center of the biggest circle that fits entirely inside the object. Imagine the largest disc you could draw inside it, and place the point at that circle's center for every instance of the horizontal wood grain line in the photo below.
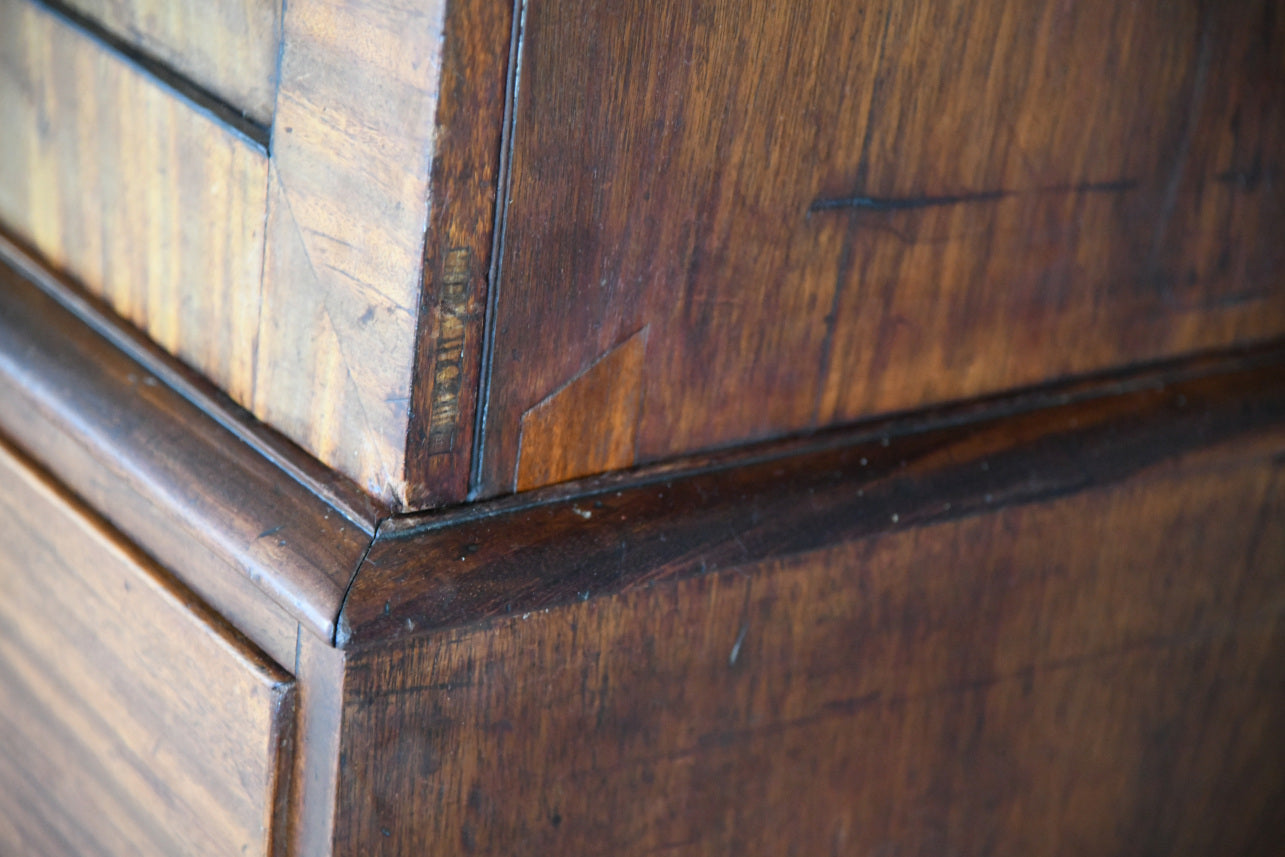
(194, 93)
(1145, 377)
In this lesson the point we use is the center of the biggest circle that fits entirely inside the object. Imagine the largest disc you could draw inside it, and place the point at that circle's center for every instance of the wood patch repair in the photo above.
(589, 425)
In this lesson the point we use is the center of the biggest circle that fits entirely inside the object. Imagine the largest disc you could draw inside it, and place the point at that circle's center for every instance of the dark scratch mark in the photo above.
(908, 203)
(272, 532)
(912, 203)
(1246, 180)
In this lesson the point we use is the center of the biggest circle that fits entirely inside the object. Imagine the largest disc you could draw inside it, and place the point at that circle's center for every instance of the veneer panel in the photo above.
(134, 720)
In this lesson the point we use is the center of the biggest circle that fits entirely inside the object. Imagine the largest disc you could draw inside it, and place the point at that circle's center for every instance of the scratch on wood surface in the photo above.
(911, 203)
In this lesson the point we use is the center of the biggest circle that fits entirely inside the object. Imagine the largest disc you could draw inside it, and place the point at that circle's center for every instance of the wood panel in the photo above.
(242, 524)
(134, 721)
(228, 47)
(145, 199)
(319, 670)
(824, 212)
(1069, 677)
(1056, 633)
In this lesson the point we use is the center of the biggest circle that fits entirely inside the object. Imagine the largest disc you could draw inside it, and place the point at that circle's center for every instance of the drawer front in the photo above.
(132, 720)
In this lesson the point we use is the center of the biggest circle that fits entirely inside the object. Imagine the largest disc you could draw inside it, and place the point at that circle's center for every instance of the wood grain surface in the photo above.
(145, 199)
(319, 671)
(347, 212)
(130, 436)
(826, 211)
(133, 720)
(228, 47)
(472, 112)
(1057, 633)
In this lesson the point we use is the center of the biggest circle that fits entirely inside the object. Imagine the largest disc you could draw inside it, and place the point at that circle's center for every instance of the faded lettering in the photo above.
(448, 358)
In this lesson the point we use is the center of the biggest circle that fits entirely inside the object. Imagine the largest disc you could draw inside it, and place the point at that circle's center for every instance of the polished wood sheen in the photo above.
(570, 427)
(523, 554)
(1028, 616)
(815, 213)
(1056, 632)
(230, 47)
(258, 536)
(146, 199)
(133, 721)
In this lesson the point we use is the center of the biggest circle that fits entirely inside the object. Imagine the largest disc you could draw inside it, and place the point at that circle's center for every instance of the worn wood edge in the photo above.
(305, 573)
(348, 211)
(330, 486)
(487, 563)
(469, 167)
(281, 684)
(195, 94)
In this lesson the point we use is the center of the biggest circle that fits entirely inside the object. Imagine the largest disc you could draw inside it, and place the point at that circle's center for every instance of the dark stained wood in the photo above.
(480, 563)
(457, 249)
(827, 211)
(133, 721)
(1062, 633)
(267, 551)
